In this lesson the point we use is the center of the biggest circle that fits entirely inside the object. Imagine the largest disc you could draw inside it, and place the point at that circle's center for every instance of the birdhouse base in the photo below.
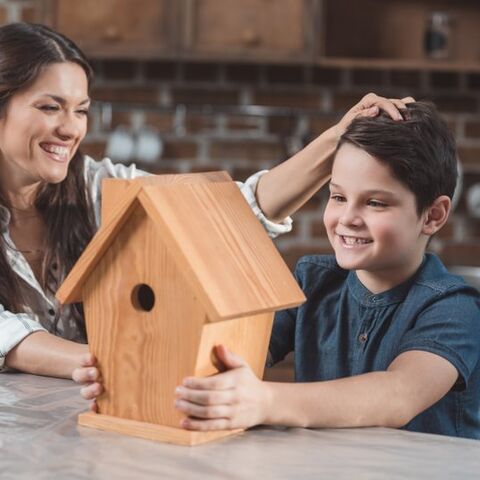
(151, 431)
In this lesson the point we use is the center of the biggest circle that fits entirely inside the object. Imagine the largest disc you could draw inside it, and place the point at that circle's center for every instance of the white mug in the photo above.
(120, 145)
(148, 146)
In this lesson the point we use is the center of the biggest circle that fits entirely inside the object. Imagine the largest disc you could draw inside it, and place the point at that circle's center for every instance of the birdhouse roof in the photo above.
(215, 239)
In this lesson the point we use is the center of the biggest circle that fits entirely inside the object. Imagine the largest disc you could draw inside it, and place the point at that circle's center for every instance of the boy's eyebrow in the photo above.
(374, 191)
(62, 101)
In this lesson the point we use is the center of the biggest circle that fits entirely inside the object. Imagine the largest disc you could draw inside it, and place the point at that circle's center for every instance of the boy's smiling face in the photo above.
(372, 221)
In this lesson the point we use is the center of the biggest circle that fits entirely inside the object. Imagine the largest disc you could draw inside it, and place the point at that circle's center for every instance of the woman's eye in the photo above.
(83, 112)
(337, 198)
(49, 108)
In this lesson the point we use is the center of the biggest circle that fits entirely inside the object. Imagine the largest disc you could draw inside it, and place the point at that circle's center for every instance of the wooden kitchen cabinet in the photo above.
(391, 33)
(249, 29)
(342, 33)
(115, 28)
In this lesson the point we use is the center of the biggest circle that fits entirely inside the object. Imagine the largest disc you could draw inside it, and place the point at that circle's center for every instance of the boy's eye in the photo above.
(377, 204)
(83, 112)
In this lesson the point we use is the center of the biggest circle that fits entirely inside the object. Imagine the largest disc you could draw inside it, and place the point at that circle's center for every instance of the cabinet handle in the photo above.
(250, 38)
(111, 34)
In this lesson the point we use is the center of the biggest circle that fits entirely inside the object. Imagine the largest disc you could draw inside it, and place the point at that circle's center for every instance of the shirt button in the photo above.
(362, 338)
(51, 312)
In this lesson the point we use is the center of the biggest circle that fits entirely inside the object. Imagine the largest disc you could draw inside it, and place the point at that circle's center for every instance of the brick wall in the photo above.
(173, 99)
(196, 139)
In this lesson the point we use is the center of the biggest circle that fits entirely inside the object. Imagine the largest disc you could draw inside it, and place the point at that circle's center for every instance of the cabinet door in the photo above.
(264, 29)
(115, 28)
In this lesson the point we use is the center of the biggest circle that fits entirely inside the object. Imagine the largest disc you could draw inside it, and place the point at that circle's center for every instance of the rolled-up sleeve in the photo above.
(248, 189)
(95, 172)
(14, 327)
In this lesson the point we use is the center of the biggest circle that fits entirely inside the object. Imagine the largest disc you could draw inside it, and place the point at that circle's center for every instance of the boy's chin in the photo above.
(349, 264)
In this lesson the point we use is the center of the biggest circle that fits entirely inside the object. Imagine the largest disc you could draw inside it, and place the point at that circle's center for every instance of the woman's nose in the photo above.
(68, 127)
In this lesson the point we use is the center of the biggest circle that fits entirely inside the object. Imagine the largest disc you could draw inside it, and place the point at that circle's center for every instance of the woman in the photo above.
(50, 196)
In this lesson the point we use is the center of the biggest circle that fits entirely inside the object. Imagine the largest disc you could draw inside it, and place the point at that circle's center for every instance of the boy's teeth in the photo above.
(355, 240)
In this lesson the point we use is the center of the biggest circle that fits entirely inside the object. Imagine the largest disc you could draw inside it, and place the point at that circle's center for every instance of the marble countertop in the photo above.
(39, 438)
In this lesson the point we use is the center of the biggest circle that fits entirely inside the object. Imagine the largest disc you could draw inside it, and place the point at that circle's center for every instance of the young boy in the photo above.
(387, 336)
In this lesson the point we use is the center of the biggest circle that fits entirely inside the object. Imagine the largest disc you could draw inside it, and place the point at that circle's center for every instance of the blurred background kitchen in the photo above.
(240, 85)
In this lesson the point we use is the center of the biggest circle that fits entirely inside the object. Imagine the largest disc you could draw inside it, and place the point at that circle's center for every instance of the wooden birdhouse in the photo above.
(179, 265)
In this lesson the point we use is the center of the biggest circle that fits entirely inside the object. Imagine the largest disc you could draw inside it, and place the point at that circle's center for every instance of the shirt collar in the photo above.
(395, 295)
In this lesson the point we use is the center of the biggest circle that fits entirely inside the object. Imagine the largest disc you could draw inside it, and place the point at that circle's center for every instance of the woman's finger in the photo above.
(390, 108)
(89, 392)
(85, 375)
(88, 360)
(400, 104)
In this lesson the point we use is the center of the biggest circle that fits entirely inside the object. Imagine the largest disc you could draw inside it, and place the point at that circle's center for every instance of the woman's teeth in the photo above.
(58, 151)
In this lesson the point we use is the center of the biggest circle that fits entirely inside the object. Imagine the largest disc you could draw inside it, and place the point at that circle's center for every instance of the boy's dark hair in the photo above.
(419, 150)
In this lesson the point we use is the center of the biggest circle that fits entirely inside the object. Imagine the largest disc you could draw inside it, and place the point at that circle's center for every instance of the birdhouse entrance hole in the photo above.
(143, 297)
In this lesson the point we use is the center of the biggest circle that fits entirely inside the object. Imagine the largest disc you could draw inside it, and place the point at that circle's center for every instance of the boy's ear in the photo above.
(436, 215)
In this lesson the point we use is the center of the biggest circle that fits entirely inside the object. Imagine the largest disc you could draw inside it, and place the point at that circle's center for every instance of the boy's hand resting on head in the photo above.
(232, 399)
(88, 376)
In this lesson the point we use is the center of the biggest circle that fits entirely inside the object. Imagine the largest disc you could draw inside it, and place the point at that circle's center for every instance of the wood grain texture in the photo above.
(250, 27)
(150, 431)
(120, 202)
(142, 355)
(114, 188)
(247, 336)
(214, 236)
(92, 25)
(71, 289)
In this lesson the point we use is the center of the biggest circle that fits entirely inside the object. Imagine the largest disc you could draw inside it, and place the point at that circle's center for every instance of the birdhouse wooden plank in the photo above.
(179, 265)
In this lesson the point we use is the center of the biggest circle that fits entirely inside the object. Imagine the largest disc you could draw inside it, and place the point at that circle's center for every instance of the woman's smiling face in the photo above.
(42, 126)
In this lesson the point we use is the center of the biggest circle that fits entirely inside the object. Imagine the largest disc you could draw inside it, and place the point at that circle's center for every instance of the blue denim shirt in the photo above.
(343, 330)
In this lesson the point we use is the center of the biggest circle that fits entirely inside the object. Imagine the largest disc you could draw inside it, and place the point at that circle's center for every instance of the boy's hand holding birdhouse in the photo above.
(233, 399)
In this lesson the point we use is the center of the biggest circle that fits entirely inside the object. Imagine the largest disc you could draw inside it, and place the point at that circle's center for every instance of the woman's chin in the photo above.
(55, 175)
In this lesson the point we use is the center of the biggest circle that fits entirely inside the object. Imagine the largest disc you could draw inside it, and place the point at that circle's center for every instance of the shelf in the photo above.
(401, 64)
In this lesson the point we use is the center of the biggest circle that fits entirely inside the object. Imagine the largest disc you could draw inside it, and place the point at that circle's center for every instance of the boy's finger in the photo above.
(228, 358)
(205, 425)
(222, 381)
(203, 411)
(205, 397)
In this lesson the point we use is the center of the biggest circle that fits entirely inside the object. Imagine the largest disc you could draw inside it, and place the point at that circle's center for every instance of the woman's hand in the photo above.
(370, 106)
(233, 399)
(88, 375)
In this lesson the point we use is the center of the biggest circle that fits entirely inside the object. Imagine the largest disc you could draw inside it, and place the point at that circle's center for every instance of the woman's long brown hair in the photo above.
(65, 207)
